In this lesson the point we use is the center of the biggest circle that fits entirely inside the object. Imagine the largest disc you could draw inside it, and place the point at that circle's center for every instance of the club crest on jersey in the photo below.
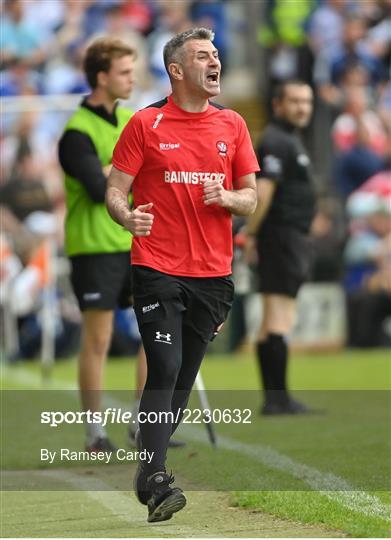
(222, 148)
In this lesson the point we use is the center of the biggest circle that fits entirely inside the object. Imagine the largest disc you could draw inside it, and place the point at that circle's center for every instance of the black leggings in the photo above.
(174, 354)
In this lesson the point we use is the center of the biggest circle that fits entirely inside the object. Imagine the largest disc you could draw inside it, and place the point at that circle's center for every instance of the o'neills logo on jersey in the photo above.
(157, 120)
(190, 177)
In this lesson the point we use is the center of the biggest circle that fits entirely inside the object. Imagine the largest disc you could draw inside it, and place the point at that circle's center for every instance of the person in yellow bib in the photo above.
(98, 248)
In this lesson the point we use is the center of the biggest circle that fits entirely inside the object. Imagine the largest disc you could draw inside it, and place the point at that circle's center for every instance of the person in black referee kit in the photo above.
(279, 232)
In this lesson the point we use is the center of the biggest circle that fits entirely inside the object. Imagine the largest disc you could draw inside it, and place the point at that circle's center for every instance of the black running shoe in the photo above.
(164, 500)
(176, 443)
(291, 406)
(101, 444)
(173, 443)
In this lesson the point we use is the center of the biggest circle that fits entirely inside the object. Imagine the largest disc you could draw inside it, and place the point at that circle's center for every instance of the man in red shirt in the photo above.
(191, 165)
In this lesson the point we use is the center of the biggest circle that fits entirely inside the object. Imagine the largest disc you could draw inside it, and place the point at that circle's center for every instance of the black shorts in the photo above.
(284, 257)
(205, 301)
(102, 281)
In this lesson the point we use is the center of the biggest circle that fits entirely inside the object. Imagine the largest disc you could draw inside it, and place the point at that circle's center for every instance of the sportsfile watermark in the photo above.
(113, 415)
(120, 454)
(340, 443)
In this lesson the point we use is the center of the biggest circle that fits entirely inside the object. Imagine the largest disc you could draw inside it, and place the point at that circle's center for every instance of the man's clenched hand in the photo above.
(139, 221)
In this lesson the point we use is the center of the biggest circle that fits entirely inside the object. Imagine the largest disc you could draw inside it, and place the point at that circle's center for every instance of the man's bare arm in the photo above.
(107, 170)
(137, 221)
(265, 190)
(242, 201)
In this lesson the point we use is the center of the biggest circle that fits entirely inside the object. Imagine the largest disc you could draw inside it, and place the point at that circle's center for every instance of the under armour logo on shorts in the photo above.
(163, 338)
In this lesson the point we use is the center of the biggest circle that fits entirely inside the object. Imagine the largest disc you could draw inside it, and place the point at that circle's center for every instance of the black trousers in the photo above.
(177, 317)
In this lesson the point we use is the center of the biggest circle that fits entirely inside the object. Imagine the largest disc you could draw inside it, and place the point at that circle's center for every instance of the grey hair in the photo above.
(171, 48)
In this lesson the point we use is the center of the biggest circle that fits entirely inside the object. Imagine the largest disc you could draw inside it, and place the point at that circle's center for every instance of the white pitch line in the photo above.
(24, 377)
(124, 507)
(328, 484)
(333, 487)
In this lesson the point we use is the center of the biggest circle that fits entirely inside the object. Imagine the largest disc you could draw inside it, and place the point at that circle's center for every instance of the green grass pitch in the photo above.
(326, 474)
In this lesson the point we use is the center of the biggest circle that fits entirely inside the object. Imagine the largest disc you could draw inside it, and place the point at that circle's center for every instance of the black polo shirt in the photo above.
(78, 157)
(284, 160)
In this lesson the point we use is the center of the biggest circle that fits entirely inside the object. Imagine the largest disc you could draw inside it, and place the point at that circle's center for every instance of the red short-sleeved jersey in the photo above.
(171, 153)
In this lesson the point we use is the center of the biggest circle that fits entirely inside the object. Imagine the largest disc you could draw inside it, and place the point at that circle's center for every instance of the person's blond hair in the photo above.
(100, 54)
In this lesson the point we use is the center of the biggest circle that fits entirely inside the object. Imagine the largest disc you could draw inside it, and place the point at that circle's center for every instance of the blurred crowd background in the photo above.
(341, 47)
